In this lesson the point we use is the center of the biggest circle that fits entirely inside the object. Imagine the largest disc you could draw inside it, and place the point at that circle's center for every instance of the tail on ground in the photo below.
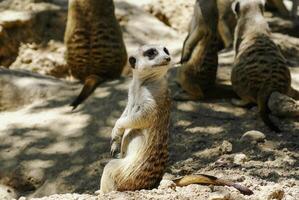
(203, 179)
(264, 111)
(294, 94)
(90, 84)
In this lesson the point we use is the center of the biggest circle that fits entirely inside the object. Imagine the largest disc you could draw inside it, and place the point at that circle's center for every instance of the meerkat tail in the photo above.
(90, 84)
(210, 180)
(294, 94)
(264, 111)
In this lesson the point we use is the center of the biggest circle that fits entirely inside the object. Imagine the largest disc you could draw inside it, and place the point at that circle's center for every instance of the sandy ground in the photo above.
(46, 149)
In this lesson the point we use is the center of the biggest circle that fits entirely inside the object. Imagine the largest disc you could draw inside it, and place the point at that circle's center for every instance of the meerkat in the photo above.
(94, 42)
(142, 130)
(199, 61)
(259, 67)
(140, 135)
(227, 22)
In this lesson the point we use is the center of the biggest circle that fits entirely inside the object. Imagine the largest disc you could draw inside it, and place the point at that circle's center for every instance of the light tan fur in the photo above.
(141, 132)
(259, 67)
(227, 22)
(95, 47)
(199, 60)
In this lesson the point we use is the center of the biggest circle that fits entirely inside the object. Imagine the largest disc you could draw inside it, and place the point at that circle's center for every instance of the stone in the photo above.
(253, 136)
(226, 147)
(240, 158)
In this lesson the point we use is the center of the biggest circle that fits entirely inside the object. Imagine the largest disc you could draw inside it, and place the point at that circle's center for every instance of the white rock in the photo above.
(226, 147)
(240, 158)
(253, 136)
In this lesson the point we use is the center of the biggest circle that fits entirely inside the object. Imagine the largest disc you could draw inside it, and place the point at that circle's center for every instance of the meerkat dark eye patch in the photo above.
(166, 51)
(151, 53)
(132, 61)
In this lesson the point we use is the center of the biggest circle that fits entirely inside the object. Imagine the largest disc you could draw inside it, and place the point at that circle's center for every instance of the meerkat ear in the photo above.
(132, 61)
(236, 7)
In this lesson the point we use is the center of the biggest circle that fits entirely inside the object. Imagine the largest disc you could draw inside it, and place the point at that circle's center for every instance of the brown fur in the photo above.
(259, 67)
(95, 47)
(142, 130)
(227, 22)
(199, 60)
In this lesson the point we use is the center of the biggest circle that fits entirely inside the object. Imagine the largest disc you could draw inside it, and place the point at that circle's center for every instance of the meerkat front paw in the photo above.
(115, 142)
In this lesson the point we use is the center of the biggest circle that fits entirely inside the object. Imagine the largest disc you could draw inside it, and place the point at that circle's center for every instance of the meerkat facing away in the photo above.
(259, 67)
(95, 47)
(141, 133)
(199, 60)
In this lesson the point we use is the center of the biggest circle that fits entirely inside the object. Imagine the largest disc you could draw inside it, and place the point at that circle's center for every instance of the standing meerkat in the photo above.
(141, 133)
(142, 130)
(199, 60)
(259, 67)
(95, 47)
(227, 22)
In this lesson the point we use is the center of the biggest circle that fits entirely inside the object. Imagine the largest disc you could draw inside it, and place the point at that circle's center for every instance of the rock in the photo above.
(226, 147)
(167, 184)
(240, 158)
(253, 136)
(219, 196)
(283, 106)
(10, 18)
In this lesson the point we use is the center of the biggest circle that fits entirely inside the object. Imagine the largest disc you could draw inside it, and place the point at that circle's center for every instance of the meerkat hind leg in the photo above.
(107, 180)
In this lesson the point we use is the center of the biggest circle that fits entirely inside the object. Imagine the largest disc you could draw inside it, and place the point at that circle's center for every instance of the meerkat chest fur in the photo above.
(143, 126)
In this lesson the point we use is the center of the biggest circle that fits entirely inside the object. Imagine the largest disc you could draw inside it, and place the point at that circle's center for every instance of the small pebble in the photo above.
(253, 136)
(240, 158)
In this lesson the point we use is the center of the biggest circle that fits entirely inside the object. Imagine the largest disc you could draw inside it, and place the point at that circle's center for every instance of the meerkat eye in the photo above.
(166, 51)
(151, 53)
(132, 61)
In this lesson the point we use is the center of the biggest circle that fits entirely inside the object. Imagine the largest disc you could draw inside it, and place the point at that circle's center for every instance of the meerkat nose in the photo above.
(168, 59)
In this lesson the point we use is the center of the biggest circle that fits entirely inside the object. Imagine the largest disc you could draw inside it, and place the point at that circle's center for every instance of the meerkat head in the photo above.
(150, 58)
(250, 19)
(248, 8)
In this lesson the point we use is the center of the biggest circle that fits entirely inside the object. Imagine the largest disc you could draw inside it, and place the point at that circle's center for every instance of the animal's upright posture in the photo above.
(141, 132)
(259, 67)
(227, 22)
(95, 47)
(199, 60)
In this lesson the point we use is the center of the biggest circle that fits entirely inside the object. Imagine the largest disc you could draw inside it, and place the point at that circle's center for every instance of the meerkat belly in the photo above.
(98, 50)
(146, 164)
(260, 67)
(206, 74)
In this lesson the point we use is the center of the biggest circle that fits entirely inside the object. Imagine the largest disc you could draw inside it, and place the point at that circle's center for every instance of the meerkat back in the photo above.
(95, 47)
(259, 67)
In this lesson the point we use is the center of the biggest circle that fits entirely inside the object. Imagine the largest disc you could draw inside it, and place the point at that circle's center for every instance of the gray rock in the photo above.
(253, 136)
